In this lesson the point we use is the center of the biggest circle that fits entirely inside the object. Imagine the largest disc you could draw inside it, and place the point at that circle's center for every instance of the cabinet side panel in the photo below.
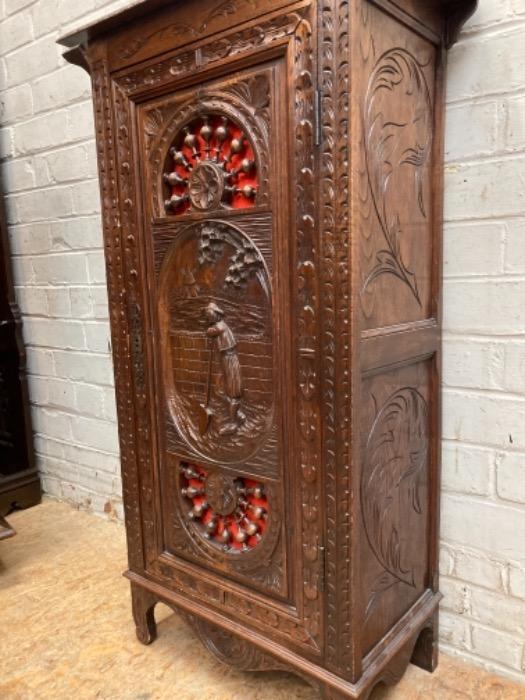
(397, 103)
(394, 492)
(397, 213)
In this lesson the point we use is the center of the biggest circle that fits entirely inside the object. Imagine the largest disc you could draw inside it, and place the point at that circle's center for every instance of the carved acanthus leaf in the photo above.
(395, 460)
(398, 135)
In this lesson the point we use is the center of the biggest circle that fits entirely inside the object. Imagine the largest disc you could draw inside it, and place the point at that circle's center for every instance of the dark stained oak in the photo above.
(271, 182)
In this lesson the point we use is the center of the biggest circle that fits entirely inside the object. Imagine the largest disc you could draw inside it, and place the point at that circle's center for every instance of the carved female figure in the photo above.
(226, 344)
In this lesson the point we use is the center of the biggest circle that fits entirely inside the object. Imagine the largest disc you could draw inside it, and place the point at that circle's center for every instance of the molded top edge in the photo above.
(456, 11)
(115, 20)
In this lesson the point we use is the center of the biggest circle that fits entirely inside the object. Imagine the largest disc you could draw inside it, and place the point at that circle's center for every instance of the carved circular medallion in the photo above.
(211, 165)
(206, 186)
(222, 493)
(231, 514)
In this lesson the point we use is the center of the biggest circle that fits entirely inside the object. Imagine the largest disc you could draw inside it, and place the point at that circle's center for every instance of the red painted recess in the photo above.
(218, 150)
(230, 522)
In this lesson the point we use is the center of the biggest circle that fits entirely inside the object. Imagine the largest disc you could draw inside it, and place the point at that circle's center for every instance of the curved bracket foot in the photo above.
(143, 606)
(426, 651)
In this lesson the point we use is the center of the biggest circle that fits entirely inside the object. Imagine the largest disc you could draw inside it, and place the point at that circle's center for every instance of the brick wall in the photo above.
(49, 166)
(483, 517)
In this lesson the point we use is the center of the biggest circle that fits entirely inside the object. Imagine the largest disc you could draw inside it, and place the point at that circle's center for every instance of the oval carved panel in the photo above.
(215, 320)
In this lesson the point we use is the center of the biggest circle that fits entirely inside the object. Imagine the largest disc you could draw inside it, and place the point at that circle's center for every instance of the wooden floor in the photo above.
(67, 630)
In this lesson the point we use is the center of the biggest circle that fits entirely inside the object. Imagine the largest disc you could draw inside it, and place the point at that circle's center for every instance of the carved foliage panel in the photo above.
(397, 210)
(394, 495)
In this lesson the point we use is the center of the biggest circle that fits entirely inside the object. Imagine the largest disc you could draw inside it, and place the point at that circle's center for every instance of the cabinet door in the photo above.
(220, 291)
(225, 137)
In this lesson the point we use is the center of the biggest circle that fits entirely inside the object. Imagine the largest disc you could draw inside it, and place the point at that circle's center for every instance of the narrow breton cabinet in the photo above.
(271, 188)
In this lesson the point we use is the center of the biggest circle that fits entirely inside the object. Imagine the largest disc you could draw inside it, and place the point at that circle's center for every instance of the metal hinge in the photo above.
(322, 569)
(317, 117)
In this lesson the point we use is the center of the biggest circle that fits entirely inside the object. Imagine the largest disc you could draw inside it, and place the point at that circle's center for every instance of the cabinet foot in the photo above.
(425, 654)
(143, 606)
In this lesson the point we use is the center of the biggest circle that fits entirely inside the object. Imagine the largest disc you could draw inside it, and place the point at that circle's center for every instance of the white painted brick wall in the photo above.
(50, 174)
(49, 165)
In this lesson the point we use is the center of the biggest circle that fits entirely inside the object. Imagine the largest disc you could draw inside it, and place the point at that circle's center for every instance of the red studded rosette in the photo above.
(234, 520)
(219, 140)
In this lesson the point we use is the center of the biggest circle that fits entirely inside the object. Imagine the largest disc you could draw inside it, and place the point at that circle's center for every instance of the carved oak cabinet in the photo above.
(271, 188)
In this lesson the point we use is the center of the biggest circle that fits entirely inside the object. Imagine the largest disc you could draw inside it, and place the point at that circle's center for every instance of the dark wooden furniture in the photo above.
(271, 186)
(19, 481)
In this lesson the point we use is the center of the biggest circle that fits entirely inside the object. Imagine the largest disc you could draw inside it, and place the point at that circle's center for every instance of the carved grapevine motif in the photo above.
(398, 135)
(394, 465)
(244, 264)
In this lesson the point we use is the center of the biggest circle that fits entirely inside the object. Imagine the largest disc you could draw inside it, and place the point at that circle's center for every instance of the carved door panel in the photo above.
(227, 187)
(218, 315)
